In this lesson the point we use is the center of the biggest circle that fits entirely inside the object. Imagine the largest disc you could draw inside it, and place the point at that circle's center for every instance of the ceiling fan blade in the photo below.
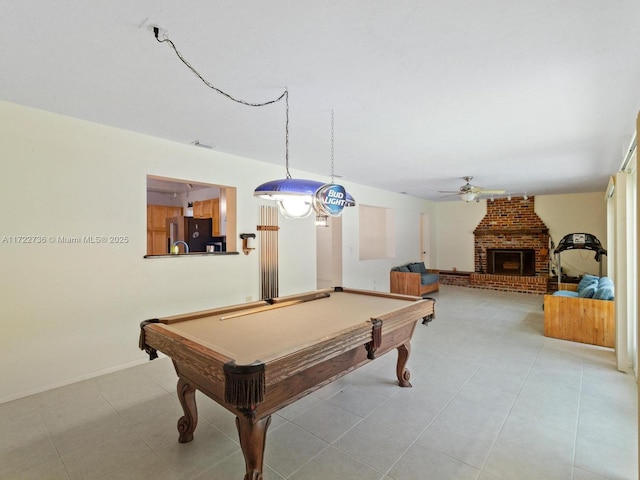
(491, 192)
(469, 190)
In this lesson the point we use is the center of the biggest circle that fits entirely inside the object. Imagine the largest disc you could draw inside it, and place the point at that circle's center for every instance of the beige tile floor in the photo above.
(492, 398)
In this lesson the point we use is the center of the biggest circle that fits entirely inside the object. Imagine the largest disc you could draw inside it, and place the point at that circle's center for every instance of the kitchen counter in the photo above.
(192, 254)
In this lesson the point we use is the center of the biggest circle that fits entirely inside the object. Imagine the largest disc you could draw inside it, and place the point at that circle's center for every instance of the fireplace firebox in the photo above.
(521, 261)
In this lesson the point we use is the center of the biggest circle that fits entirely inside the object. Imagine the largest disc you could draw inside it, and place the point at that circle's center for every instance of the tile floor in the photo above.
(492, 398)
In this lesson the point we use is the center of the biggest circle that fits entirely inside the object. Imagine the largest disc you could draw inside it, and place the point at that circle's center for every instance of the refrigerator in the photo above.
(195, 232)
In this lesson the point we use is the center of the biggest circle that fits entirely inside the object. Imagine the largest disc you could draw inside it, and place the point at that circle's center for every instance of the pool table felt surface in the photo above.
(275, 332)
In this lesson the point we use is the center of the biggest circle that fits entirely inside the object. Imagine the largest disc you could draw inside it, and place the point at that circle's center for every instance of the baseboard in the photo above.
(69, 381)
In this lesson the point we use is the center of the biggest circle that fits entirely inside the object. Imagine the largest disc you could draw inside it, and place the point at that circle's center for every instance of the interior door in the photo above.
(425, 246)
(329, 253)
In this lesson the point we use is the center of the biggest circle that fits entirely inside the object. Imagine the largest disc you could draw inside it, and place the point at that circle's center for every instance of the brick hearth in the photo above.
(509, 283)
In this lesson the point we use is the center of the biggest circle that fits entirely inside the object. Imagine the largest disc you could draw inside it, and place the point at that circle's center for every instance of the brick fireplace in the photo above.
(511, 248)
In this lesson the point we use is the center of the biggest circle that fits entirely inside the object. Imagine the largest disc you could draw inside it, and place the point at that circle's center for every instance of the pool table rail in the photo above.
(220, 311)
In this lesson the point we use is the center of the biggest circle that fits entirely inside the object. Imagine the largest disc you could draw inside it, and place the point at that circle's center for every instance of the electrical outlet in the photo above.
(248, 298)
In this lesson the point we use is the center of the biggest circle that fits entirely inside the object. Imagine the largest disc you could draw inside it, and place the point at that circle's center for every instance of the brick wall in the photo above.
(514, 214)
(459, 279)
(511, 224)
(510, 283)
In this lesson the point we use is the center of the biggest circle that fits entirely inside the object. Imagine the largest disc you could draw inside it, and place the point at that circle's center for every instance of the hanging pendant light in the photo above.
(297, 198)
(294, 197)
(332, 198)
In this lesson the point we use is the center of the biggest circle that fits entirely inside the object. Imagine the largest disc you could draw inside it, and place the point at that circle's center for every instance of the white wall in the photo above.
(456, 221)
(72, 311)
(374, 274)
(563, 214)
(576, 213)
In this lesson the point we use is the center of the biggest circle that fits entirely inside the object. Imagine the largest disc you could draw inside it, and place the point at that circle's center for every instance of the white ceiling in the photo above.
(162, 185)
(527, 96)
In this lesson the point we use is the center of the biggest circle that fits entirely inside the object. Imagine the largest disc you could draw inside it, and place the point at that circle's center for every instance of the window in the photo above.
(200, 215)
(377, 232)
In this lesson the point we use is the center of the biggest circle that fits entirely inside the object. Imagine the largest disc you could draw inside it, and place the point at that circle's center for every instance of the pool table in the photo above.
(258, 357)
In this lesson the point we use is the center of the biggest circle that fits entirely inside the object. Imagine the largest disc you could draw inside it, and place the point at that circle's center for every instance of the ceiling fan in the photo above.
(469, 193)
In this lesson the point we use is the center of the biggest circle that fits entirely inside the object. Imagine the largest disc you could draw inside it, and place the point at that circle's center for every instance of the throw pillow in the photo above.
(605, 289)
(587, 281)
(418, 267)
(589, 291)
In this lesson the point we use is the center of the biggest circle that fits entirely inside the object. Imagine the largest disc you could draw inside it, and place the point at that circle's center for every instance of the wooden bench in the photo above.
(584, 320)
(409, 283)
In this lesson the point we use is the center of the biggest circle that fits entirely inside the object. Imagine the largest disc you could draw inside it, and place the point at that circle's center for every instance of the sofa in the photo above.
(583, 312)
(414, 279)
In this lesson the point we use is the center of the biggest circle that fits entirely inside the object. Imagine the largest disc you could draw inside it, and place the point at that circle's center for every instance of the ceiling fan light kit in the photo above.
(468, 196)
(469, 193)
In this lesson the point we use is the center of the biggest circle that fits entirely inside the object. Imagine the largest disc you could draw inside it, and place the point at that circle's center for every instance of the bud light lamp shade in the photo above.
(294, 196)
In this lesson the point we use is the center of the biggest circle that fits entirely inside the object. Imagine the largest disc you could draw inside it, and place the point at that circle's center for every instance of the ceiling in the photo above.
(538, 97)
(174, 188)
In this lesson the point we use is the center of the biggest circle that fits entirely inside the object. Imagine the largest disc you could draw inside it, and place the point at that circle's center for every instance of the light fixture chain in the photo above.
(286, 134)
(332, 125)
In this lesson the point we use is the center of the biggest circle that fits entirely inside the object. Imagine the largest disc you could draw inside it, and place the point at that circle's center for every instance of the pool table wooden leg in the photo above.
(187, 424)
(402, 372)
(253, 434)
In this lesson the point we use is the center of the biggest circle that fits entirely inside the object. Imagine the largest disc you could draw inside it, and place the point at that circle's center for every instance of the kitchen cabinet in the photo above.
(209, 209)
(215, 215)
(199, 210)
(157, 234)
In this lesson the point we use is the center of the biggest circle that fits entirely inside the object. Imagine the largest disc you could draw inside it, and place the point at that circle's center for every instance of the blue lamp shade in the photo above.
(294, 196)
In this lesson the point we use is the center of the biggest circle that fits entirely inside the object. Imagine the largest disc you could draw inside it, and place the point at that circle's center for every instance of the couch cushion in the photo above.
(605, 289)
(566, 293)
(417, 267)
(428, 278)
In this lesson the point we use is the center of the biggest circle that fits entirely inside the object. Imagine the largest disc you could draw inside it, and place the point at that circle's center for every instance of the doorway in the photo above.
(329, 253)
(425, 245)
